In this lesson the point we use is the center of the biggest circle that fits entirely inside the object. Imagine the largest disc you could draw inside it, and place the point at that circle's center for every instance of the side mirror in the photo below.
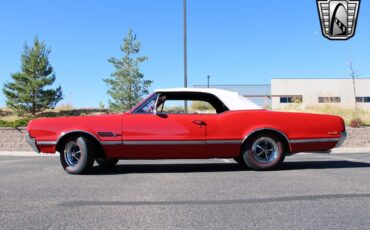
(162, 115)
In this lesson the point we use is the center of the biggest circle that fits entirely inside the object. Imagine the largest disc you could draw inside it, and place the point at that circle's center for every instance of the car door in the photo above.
(163, 135)
(223, 137)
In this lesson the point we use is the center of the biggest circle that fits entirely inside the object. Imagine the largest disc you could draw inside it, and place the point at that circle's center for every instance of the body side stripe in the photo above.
(314, 140)
(296, 141)
(46, 142)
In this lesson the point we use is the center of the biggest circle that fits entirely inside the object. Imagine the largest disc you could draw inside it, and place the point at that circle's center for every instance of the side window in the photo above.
(329, 99)
(170, 106)
(291, 99)
(202, 107)
(148, 106)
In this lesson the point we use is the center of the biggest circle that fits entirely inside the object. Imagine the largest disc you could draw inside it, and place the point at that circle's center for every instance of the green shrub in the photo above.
(15, 123)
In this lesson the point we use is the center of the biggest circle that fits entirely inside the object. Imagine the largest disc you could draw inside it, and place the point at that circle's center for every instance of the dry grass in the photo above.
(63, 107)
(347, 114)
(7, 115)
(63, 110)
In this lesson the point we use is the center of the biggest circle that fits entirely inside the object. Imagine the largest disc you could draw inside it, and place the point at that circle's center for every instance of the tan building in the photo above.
(317, 92)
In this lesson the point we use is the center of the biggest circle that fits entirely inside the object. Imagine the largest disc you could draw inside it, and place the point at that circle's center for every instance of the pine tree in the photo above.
(27, 93)
(127, 83)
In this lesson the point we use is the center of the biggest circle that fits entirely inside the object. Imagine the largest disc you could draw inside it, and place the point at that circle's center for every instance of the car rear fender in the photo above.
(280, 134)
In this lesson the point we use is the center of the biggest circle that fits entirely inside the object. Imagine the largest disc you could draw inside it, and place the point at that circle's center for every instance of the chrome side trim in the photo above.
(79, 131)
(75, 131)
(314, 140)
(218, 142)
(164, 142)
(106, 134)
(343, 136)
(111, 142)
(182, 142)
(155, 104)
(46, 142)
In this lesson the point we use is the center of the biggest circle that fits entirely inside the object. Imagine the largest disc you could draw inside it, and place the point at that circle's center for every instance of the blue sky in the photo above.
(234, 41)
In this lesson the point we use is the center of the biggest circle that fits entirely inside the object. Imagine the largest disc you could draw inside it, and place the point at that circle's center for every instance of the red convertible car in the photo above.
(186, 123)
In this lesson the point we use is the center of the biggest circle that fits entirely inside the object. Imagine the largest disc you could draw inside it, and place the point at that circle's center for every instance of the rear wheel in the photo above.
(107, 162)
(77, 155)
(239, 160)
(263, 151)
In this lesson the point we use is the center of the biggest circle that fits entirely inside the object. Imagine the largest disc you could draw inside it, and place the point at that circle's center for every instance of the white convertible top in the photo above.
(233, 100)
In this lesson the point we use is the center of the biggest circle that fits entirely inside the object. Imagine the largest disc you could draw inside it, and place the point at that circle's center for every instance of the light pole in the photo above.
(185, 50)
(185, 57)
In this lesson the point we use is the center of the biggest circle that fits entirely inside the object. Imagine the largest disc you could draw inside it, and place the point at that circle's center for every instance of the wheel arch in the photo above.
(65, 135)
(281, 135)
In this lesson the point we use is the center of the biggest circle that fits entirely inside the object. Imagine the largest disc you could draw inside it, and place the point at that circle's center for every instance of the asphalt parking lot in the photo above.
(310, 191)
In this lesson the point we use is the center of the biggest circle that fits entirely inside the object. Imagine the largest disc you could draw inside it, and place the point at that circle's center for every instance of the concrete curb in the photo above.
(350, 150)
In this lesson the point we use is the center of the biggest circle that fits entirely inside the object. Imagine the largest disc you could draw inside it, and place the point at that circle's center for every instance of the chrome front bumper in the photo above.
(343, 136)
(31, 141)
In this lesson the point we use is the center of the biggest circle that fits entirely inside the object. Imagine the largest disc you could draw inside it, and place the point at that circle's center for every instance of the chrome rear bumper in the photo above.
(31, 141)
(343, 137)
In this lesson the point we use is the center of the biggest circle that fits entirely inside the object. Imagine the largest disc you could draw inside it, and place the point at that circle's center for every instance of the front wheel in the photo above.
(262, 152)
(77, 155)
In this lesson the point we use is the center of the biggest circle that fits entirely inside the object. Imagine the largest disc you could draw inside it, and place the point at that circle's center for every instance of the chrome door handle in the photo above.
(199, 122)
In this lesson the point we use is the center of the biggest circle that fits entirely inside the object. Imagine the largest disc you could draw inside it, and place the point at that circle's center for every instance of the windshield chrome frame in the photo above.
(144, 103)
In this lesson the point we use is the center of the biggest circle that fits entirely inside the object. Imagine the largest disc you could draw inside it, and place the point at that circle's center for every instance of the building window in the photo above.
(363, 99)
(329, 100)
(291, 99)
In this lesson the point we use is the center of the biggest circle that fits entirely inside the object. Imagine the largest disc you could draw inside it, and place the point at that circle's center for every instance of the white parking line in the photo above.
(227, 160)
(351, 150)
(330, 156)
(11, 161)
(345, 158)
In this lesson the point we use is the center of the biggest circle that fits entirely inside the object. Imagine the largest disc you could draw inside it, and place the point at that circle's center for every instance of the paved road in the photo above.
(311, 191)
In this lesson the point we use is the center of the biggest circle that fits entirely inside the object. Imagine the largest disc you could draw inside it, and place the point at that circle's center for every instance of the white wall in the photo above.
(311, 89)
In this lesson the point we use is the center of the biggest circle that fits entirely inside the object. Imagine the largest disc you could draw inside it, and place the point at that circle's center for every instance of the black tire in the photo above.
(263, 152)
(77, 155)
(107, 162)
(239, 160)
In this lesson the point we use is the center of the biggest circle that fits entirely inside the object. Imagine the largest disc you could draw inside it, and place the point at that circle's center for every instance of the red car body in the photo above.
(133, 135)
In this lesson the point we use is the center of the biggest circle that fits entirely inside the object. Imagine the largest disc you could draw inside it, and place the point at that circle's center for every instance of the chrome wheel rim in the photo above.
(265, 150)
(72, 153)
